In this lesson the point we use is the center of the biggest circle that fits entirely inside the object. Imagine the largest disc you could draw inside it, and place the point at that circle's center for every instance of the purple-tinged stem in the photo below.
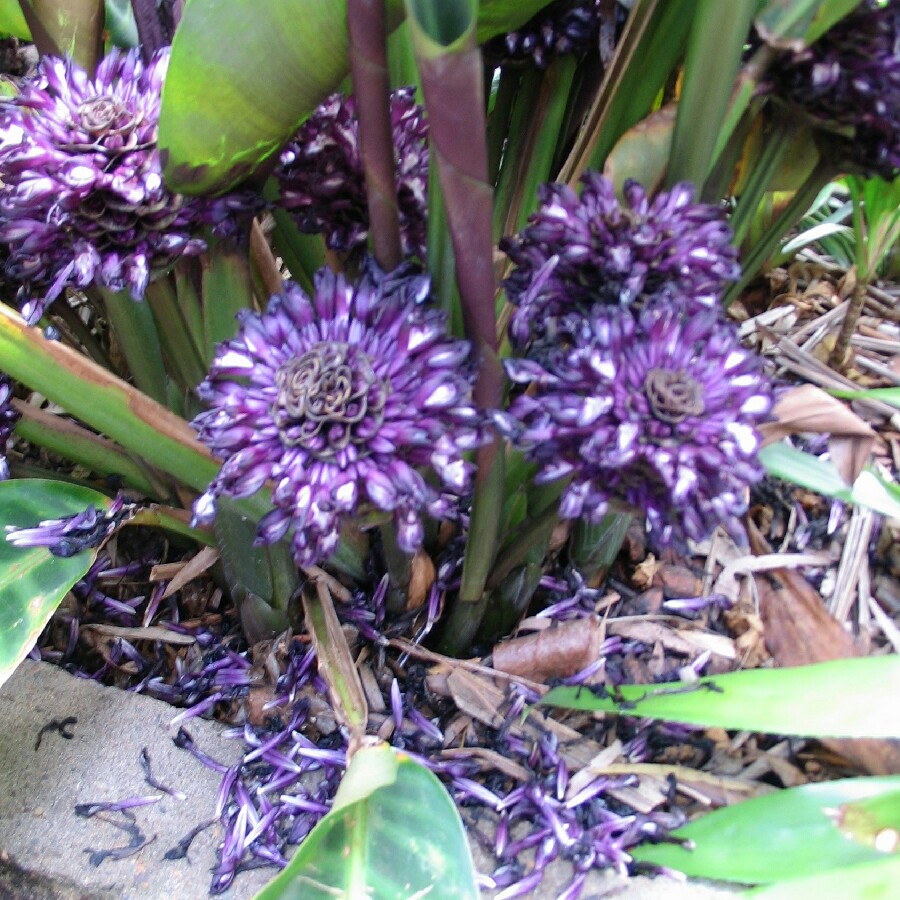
(367, 32)
(149, 26)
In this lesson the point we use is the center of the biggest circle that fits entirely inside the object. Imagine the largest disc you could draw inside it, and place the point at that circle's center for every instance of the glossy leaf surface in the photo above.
(12, 22)
(787, 834)
(32, 581)
(867, 881)
(841, 698)
(393, 833)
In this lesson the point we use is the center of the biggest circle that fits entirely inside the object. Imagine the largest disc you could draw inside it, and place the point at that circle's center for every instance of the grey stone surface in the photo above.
(43, 841)
(39, 829)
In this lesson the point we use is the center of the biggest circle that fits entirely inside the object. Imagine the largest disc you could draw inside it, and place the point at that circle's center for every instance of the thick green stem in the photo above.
(399, 566)
(134, 328)
(533, 533)
(594, 548)
(227, 289)
(184, 358)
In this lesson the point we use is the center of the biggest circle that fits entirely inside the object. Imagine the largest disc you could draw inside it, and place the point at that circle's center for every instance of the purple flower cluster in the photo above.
(849, 82)
(83, 197)
(69, 536)
(8, 418)
(339, 398)
(566, 26)
(321, 179)
(655, 409)
(576, 251)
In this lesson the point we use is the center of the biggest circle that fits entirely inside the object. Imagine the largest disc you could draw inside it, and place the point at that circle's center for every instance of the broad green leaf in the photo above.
(244, 74)
(32, 580)
(394, 833)
(840, 698)
(866, 881)
(12, 22)
(786, 834)
(819, 475)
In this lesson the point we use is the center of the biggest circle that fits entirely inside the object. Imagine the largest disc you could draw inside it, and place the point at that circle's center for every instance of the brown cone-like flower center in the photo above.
(104, 115)
(324, 395)
(673, 396)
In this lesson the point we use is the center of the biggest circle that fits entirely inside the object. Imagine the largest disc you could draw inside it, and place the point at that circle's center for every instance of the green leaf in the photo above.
(819, 475)
(795, 23)
(716, 42)
(786, 834)
(67, 27)
(394, 833)
(840, 698)
(866, 881)
(12, 22)
(120, 23)
(32, 580)
(874, 821)
(228, 104)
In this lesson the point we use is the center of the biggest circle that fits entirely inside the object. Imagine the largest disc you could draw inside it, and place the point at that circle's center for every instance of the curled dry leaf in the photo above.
(552, 653)
(809, 409)
(421, 577)
(192, 569)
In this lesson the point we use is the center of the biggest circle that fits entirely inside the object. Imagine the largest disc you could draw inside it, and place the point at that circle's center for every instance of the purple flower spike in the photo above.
(338, 400)
(655, 409)
(82, 197)
(320, 173)
(614, 253)
(849, 80)
(8, 418)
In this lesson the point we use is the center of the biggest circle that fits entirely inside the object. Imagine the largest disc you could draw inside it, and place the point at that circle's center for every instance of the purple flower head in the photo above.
(608, 252)
(321, 179)
(656, 409)
(9, 415)
(337, 400)
(848, 81)
(82, 197)
(563, 27)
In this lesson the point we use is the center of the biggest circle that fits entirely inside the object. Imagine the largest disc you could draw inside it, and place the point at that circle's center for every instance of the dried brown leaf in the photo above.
(192, 569)
(552, 653)
(810, 409)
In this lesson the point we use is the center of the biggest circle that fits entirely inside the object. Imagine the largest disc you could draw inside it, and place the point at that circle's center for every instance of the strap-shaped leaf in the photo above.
(785, 835)
(32, 581)
(842, 698)
(393, 834)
